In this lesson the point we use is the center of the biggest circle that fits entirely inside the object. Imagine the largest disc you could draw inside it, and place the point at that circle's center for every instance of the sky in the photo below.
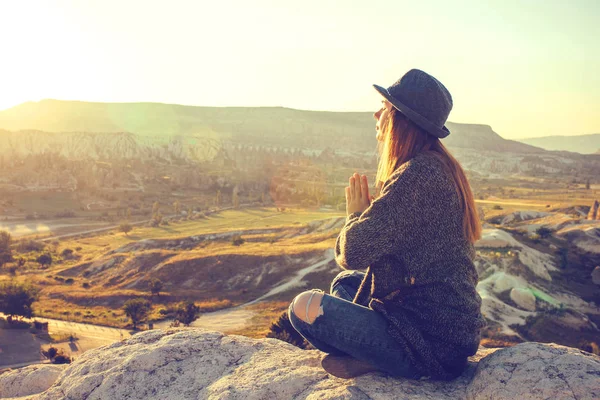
(527, 68)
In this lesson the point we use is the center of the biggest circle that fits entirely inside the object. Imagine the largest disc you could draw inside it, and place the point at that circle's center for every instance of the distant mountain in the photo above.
(482, 137)
(262, 126)
(584, 144)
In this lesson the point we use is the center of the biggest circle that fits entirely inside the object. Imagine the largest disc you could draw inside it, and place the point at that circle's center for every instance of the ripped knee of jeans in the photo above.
(308, 305)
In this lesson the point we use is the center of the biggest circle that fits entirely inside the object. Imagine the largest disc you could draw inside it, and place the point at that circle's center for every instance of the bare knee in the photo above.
(307, 305)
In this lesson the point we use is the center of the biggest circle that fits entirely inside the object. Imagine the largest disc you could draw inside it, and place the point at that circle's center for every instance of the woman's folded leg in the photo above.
(334, 323)
(345, 285)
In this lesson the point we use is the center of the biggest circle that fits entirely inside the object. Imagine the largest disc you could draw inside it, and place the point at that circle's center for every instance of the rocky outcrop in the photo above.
(29, 380)
(523, 298)
(596, 275)
(537, 371)
(200, 364)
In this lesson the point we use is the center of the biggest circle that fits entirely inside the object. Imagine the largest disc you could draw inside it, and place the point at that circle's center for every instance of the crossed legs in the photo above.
(346, 331)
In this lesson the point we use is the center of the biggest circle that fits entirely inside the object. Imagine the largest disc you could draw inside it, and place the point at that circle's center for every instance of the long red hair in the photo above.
(402, 140)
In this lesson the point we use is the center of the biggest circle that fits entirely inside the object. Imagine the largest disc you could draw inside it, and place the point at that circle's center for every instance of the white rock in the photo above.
(199, 364)
(596, 275)
(523, 298)
(29, 380)
(537, 371)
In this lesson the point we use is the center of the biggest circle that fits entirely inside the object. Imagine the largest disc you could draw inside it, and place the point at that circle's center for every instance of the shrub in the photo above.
(66, 253)
(137, 309)
(543, 232)
(237, 240)
(497, 207)
(44, 260)
(282, 329)
(61, 359)
(187, 312)
(69, 281)
(25, 246)
(50, 353)
(85, 285)
(125, 227)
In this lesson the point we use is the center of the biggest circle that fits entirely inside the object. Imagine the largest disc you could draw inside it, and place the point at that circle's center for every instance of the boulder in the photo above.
(199, 364)
(537, 371)
(523, 298)
(29, 380)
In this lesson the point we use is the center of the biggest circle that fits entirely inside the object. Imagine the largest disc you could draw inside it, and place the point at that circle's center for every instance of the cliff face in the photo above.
(199, 364)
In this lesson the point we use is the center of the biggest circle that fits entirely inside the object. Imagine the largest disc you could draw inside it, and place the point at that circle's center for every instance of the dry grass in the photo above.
(67, 311)
(66, 294)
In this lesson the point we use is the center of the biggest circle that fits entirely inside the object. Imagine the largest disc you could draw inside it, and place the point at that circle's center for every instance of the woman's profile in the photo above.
(405, 302)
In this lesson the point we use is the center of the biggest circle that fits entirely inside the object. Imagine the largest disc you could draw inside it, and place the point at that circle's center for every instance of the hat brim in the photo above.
(413, 115)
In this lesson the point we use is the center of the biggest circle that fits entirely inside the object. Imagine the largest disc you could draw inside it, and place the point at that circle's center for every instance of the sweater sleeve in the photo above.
(382, 228)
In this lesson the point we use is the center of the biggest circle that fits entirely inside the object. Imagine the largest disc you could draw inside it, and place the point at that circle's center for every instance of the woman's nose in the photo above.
(376, 114)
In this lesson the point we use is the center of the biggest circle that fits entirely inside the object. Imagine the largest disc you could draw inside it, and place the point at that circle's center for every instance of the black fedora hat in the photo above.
(423, 99)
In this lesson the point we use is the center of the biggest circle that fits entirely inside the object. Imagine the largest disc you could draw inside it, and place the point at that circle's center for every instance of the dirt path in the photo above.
(20, 346)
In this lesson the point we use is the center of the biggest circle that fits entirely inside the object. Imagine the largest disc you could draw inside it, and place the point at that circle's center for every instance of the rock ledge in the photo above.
(200, 364)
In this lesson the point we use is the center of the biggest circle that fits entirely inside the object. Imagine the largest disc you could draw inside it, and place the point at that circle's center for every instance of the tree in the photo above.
(5, 250)
(44, 260)
(177, 207)
(236, 200)
(218, 198)
(156, 286)
(128, 213)
(125, 227)
(190, 212)
(587, 184)
(137, 309)
(16, 299)
(543, 232)
(187, 312)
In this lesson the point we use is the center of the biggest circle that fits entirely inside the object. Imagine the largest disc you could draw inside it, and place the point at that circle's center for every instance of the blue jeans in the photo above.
(347, 328)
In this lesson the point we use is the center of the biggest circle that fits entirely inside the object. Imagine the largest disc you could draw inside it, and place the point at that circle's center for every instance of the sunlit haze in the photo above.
(527, 68)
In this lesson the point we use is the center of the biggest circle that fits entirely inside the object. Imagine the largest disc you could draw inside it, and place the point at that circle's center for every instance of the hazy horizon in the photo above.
(505, 63)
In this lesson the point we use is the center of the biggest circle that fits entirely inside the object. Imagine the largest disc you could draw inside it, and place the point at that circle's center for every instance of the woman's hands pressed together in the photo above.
(357, 194)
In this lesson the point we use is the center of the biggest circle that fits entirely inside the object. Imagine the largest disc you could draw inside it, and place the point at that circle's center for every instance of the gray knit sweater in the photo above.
(420, 273)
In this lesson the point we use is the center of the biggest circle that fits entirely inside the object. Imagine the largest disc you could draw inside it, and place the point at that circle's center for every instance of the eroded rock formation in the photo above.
(593, 214)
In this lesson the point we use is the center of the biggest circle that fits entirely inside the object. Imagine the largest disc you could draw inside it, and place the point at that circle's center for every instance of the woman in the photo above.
(414, 312)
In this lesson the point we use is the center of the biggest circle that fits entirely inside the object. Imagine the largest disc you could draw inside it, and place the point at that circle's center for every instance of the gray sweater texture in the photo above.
(419, 266)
